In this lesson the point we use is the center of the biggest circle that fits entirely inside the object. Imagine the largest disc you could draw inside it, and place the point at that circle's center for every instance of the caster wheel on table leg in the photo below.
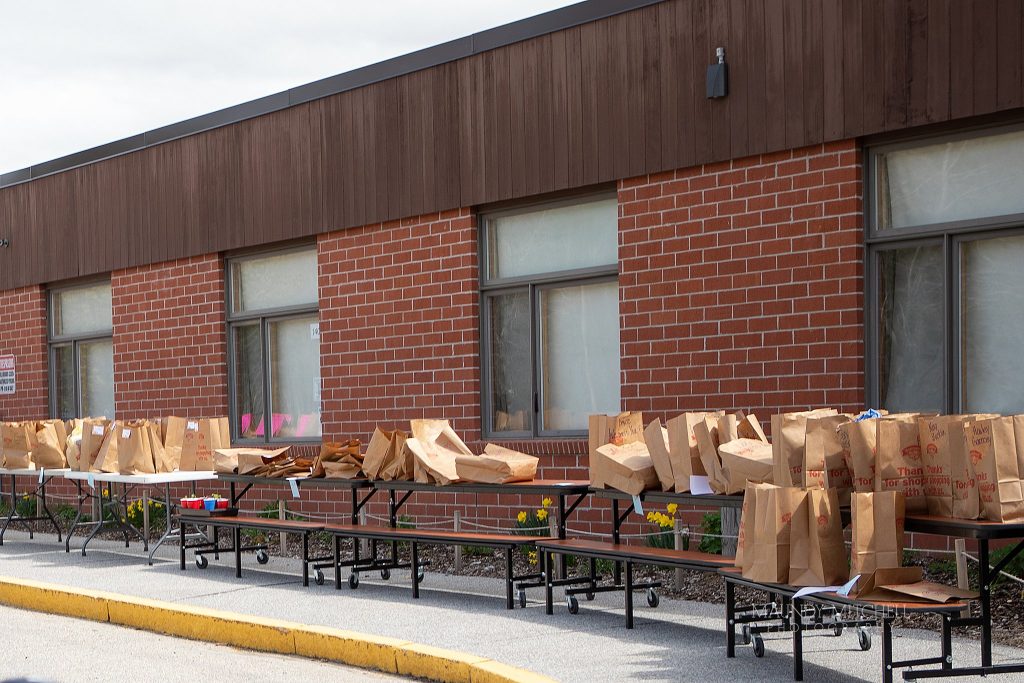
(421, 573)
(863, 638)
(837, 630)
(745, 634)
(589, 596)
(758, 643)
(573, 604)
(385, 574)
(262, 556)
(652, 598)
(522, 597)
(353, 580)
(201, 561)
(318, 577)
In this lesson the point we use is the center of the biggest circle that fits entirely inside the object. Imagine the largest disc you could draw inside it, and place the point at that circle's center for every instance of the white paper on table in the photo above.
(843, 590)
(700, 486)
(294, 483)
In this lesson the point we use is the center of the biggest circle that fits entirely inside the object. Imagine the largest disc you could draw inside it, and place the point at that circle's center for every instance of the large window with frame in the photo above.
(274, 346)
(945, 281)
(550, 310)
(81, 351)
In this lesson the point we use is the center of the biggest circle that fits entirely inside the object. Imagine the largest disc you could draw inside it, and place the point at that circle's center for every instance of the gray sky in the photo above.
(75, 74)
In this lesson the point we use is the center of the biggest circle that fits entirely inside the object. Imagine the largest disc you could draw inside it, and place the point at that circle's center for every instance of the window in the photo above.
(550, 308)
(945, 248)
(81, 352)
(274, 346)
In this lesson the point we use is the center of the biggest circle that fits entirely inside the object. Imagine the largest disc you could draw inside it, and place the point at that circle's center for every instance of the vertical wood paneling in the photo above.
(609, 99)
(720, 109)
(1009, 54)
(833, 47)
(775, 74)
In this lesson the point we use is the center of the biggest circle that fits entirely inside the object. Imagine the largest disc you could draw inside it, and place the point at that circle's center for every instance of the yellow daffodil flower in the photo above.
(672, 507)
(546, 502)
(542, 515)
(521, 517)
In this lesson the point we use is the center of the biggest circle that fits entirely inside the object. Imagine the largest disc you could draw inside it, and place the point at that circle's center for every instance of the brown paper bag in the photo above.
(497, 465)
(858, 440)
(617, 429)
(706, 432)
(745, 460)
(50, 440)
(728, 427)
(19, 438)
(656, 440)
(898, 461)
(749, 427)
(134, 451)
(788, 440)
(679, 439)
(377, 453)
(692, 420)
(400, 464)
(776, 507)
(252, 460)
(905, 584)
(339, 460)
(626, 468)
(823, 449)
(173, 431)
(201, 437)
(106, 458)
(817, 551)
(747, 537)
(877, 524)
(994, 453)
(94, 431)
(437, 449)
(940, 436)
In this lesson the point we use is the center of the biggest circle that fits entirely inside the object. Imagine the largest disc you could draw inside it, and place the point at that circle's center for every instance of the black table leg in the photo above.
(947, 642)
(548, 586)
(337, 563)
(305, 558)
(887, 649)
(181, 544)
(730, 619)
(985, 579)
(236, 536)
(798, 642)
(509, 600)
(415, 571)
(629, 594)
(617, 571)
(561, 533)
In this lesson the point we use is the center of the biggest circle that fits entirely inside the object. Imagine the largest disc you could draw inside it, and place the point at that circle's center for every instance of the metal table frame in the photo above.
(562, 490)
(354, 486)
(983, 532)
(41, 476)
(117, 503)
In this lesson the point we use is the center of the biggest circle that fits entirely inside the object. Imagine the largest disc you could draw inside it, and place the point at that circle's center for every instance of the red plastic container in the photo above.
(192, 503)
(222, 503)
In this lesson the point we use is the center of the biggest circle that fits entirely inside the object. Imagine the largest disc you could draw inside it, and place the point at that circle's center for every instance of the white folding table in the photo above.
(39, 477)
(117, 502)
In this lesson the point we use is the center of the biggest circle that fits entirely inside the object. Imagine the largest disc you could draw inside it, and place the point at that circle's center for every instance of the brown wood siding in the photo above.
(610, 99)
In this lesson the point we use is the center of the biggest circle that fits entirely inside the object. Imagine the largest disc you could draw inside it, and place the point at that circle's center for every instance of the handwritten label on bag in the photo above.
(97, 430)
(638, 506)
(192, 426)
(295, 487)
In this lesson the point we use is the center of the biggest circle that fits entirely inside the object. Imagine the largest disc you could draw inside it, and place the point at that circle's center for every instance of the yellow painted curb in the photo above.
(267, 635)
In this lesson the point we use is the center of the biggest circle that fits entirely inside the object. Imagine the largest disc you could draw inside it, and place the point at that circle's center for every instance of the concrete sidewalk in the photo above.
(677, 641)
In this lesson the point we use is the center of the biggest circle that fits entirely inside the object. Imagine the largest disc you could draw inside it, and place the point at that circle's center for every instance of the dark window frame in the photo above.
(54, 342)
(534, 285)
(951, 235)
(263, 319)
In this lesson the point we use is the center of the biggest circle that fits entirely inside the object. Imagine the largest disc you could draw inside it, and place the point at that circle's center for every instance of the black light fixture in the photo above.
(718, 76)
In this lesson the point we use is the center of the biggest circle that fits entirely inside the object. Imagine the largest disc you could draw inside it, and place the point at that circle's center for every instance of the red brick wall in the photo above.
(170, 354)
(742, 284)
(23, 334)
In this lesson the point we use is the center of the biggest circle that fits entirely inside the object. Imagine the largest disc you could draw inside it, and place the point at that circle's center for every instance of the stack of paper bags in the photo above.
(497, 465)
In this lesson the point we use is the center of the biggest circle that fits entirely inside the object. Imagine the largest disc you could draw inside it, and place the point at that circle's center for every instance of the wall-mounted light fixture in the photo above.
(718, 76)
